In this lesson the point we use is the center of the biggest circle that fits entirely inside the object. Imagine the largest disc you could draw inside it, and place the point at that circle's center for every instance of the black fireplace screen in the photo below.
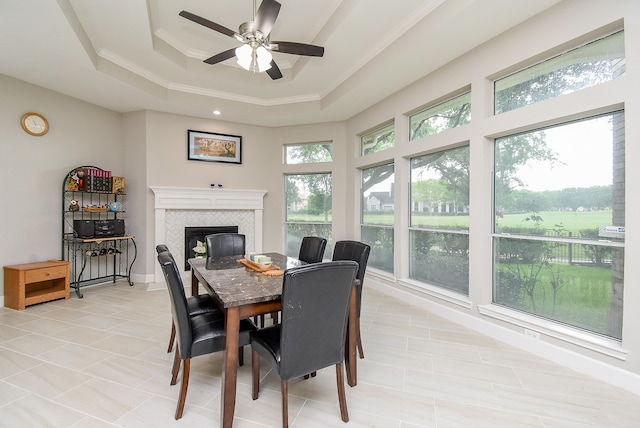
(194, 234)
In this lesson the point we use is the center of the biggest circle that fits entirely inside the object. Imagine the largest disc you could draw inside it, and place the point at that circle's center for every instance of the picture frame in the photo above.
(214, 147)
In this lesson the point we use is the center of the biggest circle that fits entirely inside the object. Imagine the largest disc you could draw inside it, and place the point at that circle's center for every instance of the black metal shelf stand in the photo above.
(96, 259)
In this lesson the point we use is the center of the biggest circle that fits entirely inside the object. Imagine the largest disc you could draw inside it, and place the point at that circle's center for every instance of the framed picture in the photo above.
(211, 147)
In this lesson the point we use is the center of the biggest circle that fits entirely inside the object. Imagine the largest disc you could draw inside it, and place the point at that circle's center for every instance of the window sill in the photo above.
(437, 292)
(599, 344)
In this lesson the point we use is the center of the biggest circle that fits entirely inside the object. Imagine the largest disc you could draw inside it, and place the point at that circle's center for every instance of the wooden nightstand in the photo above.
(31, 283)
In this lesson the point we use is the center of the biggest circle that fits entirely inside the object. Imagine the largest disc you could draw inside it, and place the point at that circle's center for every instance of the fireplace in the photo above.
(179, 207)
(194, 234)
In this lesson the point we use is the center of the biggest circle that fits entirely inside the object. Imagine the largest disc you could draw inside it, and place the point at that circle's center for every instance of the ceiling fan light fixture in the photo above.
(263, 57)
(245, 56)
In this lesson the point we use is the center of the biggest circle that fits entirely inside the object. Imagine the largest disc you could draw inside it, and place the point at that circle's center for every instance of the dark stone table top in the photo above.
(233, 284)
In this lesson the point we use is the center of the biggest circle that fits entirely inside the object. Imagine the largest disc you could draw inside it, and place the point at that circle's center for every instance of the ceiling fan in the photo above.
(255, 52)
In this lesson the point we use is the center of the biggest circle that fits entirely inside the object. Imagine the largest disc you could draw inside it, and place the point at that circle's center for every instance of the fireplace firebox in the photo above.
(194, 234)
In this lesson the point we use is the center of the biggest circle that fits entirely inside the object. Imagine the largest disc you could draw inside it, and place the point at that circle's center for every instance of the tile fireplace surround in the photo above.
(178, 207)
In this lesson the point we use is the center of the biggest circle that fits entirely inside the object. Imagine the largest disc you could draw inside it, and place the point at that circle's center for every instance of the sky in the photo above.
(584, 147)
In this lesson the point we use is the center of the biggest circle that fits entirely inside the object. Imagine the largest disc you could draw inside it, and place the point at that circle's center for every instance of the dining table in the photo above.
(242, 292)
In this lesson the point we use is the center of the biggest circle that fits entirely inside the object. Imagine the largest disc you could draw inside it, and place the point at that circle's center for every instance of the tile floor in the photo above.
(101, 361)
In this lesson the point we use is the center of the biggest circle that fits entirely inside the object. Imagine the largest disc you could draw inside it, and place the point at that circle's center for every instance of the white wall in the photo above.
(32, 169)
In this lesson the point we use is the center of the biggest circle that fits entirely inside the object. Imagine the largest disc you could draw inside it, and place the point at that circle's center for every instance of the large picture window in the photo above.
(559, 223)
(439, 233)
(588, 65)
(308, 199)
(378, 209)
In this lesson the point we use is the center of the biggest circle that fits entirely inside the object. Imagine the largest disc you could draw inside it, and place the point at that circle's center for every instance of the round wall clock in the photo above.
(34, 124)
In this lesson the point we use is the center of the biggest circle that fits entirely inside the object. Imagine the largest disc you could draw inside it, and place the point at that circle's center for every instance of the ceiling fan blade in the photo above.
(266, 16)
(222, 56)
(274, 72)
(209, 24)
(297, 48)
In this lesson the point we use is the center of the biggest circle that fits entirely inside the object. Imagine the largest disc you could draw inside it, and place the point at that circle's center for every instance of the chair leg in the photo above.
(172, 338)
(241, 356)
(285, 403)
(255, 372)
(342, 398)
(186, 367)
(176, 367)
(359, 339)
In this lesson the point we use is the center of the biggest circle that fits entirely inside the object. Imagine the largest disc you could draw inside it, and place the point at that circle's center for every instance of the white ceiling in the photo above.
(130, 55)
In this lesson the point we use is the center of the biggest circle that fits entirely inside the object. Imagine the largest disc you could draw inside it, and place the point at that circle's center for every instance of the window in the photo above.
(449, 114)
(439, 233)
(378, 140)
(308, 153)
(378, 215)
(559, 223)
(308, 198)
(588, 65)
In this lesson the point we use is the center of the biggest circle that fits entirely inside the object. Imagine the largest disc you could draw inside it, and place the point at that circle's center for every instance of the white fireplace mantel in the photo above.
(203, 198)
(206, 198)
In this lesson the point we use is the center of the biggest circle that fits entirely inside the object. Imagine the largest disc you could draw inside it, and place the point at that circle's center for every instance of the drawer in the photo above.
(45, 274)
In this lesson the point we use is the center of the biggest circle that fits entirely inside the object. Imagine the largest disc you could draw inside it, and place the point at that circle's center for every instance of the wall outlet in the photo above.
(532, 334)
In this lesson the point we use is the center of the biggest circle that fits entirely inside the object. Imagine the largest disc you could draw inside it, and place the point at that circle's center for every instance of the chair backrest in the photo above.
(315, 309)
(179, 308)
(161, 248)
(312, 249)
(358, 252)
(225, 244)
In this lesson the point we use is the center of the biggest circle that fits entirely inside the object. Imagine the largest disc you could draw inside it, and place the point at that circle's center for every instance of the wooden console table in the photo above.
(31, 283)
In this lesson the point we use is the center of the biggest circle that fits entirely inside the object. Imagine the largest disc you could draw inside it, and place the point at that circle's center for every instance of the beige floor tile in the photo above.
(80, 335)
(443, 348)
(454, 388)
(35, 411)
(123, 345)
(105, 400)
(45, 326)
(48, 380)
(9, 393)
(143, 330)
(74, 356)
(33, 344)
(392, 404)
(123, 370)
(491, 373)
(12, 362)
(8, 332)
(160, 412)
(101, 361)
(451, 414)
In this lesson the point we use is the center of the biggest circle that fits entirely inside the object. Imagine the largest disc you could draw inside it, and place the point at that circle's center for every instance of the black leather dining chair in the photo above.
(196, 305)
(312, 249)
(225, 244)
(315, 308)
(358, 252)
(228, 244)
(196, 335)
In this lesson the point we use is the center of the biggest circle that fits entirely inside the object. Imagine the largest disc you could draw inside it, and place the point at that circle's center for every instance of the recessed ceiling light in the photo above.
(216, 112)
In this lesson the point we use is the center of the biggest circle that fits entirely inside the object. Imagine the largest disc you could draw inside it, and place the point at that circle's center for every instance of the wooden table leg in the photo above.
(229, 367)
(194, 283)
(351, 359)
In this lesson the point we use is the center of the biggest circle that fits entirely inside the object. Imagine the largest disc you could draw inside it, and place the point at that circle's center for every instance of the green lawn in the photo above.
(571, 221)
